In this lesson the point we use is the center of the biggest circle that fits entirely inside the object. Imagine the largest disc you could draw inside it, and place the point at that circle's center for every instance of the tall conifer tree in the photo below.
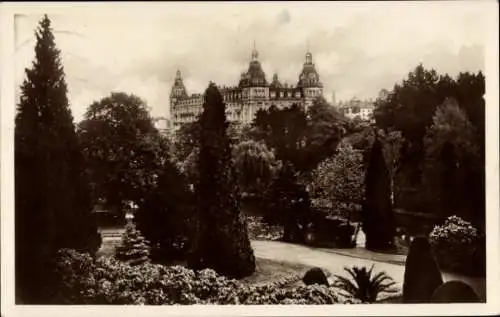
(52, 200)
(222, 242)
(377, 214)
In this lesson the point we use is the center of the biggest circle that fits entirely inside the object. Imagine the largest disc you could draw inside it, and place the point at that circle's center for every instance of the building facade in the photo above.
(355, 108)
(252, 93)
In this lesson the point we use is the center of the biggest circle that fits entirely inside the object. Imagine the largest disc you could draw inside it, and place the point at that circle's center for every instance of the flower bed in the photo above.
(108, 281)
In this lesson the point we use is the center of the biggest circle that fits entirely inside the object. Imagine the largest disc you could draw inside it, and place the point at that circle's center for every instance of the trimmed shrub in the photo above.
(459, 247)
(455, 292)
(315, 276)
(133, 248)
(422, 274)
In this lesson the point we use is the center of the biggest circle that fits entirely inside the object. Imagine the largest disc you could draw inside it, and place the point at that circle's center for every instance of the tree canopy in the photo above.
(125, 153)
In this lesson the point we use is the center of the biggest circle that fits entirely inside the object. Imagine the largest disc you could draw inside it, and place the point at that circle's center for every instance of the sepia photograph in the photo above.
(239, 154)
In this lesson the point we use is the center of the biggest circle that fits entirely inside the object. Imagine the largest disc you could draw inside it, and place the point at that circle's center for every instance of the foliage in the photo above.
(166, 216)
(455, 292)
(377, 214)
(260, 230)
(366, 287)
(108, 281)
(302, 138)
(410, 108)
(221, 241)
(133, 248)
(74, 276)
(255, 166)
(124, 151)
(332, 232)
(422, 273)
(287, 202)
(459, 247)
(337, 182)
(186, 140)
(452, 162)
(52, 195)
(315, 276)
(189, 167)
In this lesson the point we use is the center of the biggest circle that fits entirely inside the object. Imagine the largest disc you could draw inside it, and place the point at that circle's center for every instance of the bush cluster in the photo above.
(260, 230)
(459, 247)
(83, 280)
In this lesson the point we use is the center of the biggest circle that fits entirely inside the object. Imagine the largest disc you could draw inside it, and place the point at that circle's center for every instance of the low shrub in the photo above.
(328, 231)
(73, 276)
(455, 292)
(422, 273)
(109, 281)
(459, 247)
(258, 229)
(315, 276)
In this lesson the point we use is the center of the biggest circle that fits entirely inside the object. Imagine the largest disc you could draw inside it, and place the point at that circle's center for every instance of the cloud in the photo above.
(357, 49)
(283, 17)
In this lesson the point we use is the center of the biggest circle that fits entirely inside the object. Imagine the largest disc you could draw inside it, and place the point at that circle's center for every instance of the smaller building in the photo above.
(355, 108)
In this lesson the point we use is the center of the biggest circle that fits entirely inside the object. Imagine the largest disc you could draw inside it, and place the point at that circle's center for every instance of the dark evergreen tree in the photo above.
(222, 241)
(133, 248)
(165, 216)
(52, 198)
(377, 214)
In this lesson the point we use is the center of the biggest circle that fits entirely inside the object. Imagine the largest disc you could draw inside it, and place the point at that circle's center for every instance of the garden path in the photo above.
(335, 262)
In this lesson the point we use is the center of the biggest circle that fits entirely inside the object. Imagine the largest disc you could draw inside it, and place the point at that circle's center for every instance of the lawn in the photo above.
(268, 271)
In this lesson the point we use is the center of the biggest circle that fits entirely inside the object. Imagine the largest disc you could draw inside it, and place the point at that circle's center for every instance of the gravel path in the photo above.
(335, 262)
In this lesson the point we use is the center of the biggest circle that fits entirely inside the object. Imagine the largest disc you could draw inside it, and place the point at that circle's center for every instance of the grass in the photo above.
(268, 271)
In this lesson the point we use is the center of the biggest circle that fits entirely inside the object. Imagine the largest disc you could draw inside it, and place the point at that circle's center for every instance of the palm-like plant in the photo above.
(366, 287)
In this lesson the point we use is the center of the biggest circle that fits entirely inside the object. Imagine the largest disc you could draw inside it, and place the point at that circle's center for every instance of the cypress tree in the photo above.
(52, 199)
(377, 214)
(222, 241)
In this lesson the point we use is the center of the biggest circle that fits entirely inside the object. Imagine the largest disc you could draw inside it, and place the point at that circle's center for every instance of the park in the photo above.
(301, 206)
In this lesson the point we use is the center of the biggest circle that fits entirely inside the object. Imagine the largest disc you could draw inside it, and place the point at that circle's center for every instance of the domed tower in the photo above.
(177, 92)
(178, 89)
(255, 76)
(275, 83)
(309, 80)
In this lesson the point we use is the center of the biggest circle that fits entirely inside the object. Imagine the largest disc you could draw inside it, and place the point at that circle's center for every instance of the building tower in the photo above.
(178, 90)
(309, 81)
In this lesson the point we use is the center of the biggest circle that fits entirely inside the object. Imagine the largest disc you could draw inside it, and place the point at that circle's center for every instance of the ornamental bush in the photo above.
(459, 247)
(315, 276)
(109, 281)
(134, 248)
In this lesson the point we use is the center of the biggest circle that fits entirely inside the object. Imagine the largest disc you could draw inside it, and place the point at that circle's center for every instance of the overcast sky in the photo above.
(358, 48)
